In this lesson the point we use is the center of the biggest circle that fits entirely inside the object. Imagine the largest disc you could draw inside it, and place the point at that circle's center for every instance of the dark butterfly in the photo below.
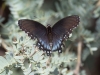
(51, 38)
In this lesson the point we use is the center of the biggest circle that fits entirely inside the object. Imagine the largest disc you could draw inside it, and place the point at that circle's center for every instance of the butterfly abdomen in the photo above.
(49, 34)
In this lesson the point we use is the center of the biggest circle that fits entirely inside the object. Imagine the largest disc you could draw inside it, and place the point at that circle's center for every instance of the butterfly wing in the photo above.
(62, 29)
(35, 30)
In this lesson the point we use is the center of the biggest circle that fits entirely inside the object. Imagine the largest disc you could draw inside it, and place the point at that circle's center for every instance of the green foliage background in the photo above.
(20, 51)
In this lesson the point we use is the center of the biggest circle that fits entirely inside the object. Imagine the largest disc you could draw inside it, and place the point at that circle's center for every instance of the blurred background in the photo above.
(18, 55)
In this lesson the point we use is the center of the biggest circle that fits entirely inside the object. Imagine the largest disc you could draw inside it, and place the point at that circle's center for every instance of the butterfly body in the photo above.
(51, 38)
(49, 34)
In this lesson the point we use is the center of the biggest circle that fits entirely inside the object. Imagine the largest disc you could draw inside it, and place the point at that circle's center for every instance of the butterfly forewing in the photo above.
(32, 27)
(66, 25)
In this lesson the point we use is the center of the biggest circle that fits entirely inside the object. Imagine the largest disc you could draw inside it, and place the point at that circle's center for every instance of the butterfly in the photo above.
(49, 38)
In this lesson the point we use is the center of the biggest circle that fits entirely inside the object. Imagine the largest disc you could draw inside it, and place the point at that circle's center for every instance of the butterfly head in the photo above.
(48, 25)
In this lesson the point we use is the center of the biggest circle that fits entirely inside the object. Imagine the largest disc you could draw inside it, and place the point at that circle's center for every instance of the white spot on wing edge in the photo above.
(70, 35)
